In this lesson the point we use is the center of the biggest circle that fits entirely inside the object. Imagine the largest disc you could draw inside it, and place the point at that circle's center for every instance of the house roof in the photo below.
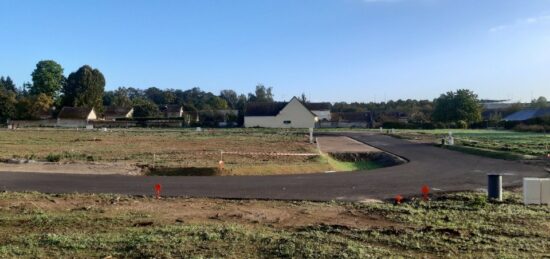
(264, 109)
(318, 106)
(497, 106)
(527, 114)
(171, 108)
(116, 111)
(75, 113)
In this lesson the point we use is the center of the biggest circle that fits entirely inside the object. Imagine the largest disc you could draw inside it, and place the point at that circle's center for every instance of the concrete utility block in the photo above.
(545, 191)
(531, 191)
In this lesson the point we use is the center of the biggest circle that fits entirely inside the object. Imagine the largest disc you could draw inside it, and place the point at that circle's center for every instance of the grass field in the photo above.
(456, 225)
(173, 151)
(510, 142)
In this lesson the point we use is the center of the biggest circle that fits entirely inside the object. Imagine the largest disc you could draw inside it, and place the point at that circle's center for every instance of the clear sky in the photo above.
(332, 50)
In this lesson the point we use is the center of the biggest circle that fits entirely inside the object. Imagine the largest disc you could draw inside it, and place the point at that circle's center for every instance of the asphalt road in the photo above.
(443, 170)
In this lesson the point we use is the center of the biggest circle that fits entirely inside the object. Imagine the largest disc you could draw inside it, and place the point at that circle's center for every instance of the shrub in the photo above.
(53, 157)
(461, 124)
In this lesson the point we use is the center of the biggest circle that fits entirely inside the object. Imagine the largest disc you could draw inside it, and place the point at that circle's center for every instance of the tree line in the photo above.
(51, 90)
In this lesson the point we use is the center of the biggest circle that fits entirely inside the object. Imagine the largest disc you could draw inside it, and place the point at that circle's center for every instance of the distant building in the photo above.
(292, 114)
(321, 110)
(495, 110)
(75, 116)
(527, 114)
(172, 111)
(349, 119)
(114, 112)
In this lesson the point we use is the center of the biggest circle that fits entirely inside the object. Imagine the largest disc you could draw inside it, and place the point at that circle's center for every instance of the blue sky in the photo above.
(332, 50)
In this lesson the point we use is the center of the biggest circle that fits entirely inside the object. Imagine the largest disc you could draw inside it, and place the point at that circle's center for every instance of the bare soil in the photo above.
(170, 210)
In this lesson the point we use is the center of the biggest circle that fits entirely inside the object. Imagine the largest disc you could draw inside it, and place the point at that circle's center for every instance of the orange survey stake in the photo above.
(425, 192)
(157, 190)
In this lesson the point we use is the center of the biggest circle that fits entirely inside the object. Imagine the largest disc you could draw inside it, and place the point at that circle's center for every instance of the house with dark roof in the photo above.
(349, 119)
(172, 110)
(113, 113)
(292, 114)
(527, 114)
(75, 116)
(321, 110)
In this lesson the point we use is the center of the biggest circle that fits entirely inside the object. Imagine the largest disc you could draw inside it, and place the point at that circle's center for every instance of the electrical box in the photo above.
(545, 191)
(531, 191)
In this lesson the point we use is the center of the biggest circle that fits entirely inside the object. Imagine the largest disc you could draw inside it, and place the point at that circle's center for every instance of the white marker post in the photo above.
(451, 141)
(311, 135)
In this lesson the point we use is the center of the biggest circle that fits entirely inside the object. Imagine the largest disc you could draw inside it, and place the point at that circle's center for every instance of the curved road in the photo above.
(441, 169)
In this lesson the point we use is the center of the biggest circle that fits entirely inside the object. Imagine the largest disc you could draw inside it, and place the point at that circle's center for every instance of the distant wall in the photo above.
(33, 123)
(338, 124)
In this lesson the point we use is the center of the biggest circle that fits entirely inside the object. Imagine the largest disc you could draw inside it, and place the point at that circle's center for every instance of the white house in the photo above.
(291, 114)
(75, 116)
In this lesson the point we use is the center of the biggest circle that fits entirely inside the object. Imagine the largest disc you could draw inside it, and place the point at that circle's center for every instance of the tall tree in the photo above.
(47, 78)
(156, 95)
(145, 108)
(84, 88)
(262, 94)
(540, 102)
(462, 105)
(7, 84)
(230, 97)
(8, 103)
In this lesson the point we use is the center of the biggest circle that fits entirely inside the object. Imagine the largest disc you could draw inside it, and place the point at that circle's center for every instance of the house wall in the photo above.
(294, 111)
(174, 114)
(92, 115)
(72, 123)
(128, 115)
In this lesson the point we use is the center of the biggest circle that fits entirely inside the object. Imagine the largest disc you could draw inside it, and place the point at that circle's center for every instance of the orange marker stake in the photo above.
(425, 192)
(398, 199)
(157, 190)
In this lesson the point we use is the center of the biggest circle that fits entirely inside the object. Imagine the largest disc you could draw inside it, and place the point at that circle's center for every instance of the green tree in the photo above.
(47, 78)
(145, 108)
(230, 97)
(7, 84)
(85, 88)
(8, 103)
(462, 105)
(262, 94)
(540, 102)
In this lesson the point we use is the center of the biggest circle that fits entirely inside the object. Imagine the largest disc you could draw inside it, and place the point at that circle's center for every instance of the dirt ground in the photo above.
(170, 210)
(73, 168)
(39, 225)
(125, 151)
(341, 144)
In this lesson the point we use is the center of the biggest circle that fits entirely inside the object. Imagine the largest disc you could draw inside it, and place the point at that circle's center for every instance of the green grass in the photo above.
(455, 225)
(350, 166)
(525, 143)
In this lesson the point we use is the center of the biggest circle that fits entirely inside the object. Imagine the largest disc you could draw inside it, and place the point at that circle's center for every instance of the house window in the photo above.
(287, 122)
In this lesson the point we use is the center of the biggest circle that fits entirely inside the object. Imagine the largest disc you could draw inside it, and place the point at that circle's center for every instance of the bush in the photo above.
(53, 157)
(531, 128)
(461, 124)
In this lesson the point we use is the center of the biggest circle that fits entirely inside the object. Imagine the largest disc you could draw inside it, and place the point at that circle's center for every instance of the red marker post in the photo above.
(398, 199)
(425, 192)
(157, 190)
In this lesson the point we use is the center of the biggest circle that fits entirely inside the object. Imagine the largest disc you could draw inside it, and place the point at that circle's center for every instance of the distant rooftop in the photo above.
(527, 114)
